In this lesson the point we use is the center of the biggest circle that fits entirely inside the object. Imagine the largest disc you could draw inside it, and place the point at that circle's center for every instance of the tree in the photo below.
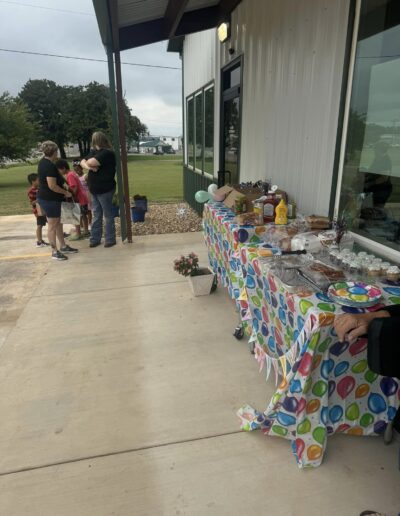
(17, 132)
(134, 129)
(46, 101)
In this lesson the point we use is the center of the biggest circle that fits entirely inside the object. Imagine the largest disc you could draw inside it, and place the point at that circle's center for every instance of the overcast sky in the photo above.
(154, 95)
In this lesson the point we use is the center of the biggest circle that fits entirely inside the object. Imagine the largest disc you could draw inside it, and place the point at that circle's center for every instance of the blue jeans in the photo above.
(102, 207)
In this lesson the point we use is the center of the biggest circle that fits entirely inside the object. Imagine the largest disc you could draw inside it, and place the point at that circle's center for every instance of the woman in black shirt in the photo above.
(50, 195)
(102, 166)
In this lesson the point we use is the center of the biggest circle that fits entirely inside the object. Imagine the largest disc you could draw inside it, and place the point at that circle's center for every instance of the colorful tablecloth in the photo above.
(325, 386)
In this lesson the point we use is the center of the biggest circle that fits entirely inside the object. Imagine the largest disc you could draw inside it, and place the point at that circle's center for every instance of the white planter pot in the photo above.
(201, 285)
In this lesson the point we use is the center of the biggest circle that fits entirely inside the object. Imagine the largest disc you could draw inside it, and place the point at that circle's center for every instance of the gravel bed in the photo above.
(166, 218)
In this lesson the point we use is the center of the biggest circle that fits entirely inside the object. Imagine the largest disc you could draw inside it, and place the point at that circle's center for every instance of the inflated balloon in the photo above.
(331, 387)
(376, 403)
(326, 368)
(335, 413)
(366, 419)
(355, 431)
(320, 388)
(202, 196)
(290, 404)
(358, 346)
(219, 197)
(338, 348)
(301, 406)
(305, 364)
(362, 390)
(353, 412)
(299, 447)
(285, 419)
(345, 386)
(319, 434)
(313, 406)
(389, 386)
(370, 376)
(380, 427)
(212, 188)
(295, 386)
(279, 430)
(314, 452)
(304, 427)
(341, 368)
(360, 366)
(324, 415)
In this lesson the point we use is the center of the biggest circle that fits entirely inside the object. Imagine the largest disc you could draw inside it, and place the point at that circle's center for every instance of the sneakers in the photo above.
(42, 243)
(68, 250)
(56, 255)
(110, 244)
(94, 244)
(85, 234)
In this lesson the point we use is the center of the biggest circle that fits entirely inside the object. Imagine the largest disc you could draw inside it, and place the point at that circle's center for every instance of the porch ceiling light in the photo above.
(223, 32)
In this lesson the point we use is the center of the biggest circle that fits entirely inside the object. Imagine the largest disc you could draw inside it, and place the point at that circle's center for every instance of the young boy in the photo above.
(79, 194)
(41, 220)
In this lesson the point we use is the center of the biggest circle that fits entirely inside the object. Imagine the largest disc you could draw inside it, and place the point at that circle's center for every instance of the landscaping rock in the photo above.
(166, 218)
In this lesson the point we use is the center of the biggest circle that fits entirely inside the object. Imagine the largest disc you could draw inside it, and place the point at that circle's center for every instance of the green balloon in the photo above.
(370, 376)
(366, 420)
(353, 412)
(319, 434)
(320, 388)
(279, 430)
(202, 196)
(360, 366)
(304, 427)
(307, 385)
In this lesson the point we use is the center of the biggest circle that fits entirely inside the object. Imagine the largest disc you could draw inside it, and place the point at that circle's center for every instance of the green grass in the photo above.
(157, 177)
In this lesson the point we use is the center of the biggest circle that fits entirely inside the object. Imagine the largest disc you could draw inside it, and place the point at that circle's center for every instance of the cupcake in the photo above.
(374, 271)
(393, 273)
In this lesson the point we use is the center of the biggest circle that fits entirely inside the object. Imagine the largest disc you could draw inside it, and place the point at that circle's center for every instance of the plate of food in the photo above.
(354, 293)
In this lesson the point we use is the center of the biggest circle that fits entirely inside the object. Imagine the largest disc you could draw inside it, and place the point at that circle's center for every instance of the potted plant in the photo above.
(201, 279)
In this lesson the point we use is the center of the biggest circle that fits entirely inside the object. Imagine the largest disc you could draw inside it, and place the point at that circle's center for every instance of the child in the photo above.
(41, 220)
(79, 194)
(82, 177)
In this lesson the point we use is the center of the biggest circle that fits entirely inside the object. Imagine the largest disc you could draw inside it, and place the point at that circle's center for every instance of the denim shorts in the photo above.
(51, 208)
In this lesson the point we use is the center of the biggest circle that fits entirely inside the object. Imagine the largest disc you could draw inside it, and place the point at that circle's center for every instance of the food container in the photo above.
(393, 273)
(354, 267)
(384, 267)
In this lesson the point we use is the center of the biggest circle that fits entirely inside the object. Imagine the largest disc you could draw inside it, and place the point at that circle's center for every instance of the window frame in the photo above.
(372, 245)
(200, 91)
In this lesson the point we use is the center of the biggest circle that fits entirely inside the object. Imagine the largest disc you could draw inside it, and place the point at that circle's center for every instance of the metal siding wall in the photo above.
(293, 62)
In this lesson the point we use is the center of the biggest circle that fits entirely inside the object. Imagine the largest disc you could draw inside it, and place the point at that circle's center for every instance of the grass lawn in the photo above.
(158, 177)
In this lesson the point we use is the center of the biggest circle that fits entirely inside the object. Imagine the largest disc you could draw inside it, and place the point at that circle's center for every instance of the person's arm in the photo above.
(351, 326)
(53, 186)
(90, 164)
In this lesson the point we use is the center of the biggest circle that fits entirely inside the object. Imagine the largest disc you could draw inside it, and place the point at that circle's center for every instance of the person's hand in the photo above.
(351, 326)
(68, 195)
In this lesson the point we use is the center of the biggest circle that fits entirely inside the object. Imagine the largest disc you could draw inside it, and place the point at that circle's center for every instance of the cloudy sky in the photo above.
(154, 95)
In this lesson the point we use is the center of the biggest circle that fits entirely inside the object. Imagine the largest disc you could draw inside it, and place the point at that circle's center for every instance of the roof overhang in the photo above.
(125, 24)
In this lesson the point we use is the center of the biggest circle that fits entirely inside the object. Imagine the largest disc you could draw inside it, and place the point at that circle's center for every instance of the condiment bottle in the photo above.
(269, 208)
(281, 213)
(291, 209)
(258, 208)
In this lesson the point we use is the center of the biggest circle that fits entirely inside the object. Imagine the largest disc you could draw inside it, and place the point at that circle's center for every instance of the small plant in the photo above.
(187, 265)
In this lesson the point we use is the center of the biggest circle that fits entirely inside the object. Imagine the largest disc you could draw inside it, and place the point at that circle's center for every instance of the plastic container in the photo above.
(138, 214)
(393, 273)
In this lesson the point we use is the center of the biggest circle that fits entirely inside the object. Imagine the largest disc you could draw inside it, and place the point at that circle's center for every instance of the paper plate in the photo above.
(354, 293)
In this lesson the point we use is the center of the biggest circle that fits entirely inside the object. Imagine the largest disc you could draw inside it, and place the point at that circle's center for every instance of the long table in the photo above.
(323, 386)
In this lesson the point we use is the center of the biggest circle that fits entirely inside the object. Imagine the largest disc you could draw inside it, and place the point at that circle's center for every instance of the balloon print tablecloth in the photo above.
(325, 386)
(224, 239)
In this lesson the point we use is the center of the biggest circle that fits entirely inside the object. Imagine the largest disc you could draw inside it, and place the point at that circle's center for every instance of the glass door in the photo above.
(231, 123)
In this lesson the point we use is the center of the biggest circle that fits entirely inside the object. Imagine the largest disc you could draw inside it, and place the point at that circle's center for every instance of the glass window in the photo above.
(370, 189)
(190, 132)
(209, 130)
(199, 131)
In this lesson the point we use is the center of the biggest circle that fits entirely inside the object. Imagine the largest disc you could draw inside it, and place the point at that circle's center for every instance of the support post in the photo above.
(122, 141)
(116, 142)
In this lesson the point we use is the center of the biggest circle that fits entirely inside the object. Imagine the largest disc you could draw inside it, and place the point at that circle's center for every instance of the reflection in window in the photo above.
(209, 130)
(190, 132)
(370, 190)
(199, 131)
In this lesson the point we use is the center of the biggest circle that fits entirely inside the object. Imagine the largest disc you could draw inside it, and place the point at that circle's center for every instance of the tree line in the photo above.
(44, 110)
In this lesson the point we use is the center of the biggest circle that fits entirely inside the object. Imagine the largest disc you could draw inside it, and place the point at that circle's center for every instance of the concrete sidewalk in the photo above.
(119, 392)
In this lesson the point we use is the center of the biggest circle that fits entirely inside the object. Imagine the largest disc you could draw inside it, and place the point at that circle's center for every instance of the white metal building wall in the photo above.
(293, 55)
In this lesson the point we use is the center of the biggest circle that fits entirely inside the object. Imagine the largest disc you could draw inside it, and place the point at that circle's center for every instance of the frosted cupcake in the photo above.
(393, 273)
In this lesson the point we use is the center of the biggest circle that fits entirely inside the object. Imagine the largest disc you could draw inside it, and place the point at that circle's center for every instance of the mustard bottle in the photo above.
(281, 213)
